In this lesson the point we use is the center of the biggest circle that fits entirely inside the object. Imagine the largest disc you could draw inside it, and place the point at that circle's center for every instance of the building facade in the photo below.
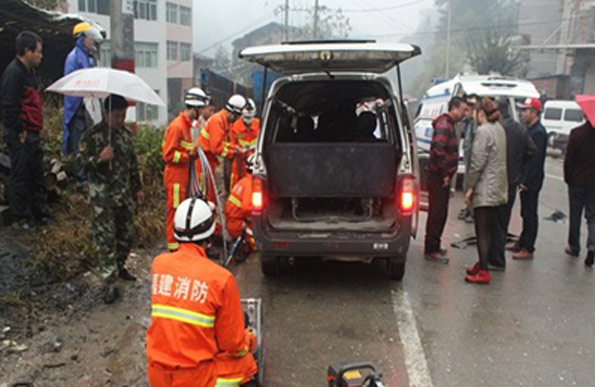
(163, 48)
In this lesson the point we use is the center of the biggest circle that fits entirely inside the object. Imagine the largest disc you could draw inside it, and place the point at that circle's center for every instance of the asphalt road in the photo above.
(533, 326)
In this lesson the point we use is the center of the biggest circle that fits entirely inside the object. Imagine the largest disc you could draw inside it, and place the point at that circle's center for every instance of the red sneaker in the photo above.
(483, 277)
(473, 270)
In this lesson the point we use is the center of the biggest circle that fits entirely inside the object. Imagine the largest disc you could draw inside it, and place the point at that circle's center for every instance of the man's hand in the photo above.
(23, 136)
(193, 154)
(107, 154)
(140, 197)
(446, 181)
(523, 188)
(469, 196)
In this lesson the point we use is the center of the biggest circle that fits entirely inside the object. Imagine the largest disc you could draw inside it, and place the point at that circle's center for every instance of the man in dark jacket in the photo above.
(532, 180)
(579, 174)
(23, 120)
(444, 156)
(519, 150)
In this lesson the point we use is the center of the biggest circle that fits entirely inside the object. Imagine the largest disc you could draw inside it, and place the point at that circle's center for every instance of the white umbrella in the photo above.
(99, 82)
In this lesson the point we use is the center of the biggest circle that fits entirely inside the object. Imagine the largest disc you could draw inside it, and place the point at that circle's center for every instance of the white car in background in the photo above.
(435, 102)
(559, 118)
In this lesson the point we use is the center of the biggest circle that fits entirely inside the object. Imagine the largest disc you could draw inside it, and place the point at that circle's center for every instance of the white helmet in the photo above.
(88, 30)
(196, 97)
(235, 104)
(250, 163)
(249, 112)
(194, 220)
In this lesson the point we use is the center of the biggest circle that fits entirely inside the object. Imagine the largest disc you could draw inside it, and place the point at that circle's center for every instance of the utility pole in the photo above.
(122, 34)
(315, 30)
(286, 20)
(122, 39)
(448, 25)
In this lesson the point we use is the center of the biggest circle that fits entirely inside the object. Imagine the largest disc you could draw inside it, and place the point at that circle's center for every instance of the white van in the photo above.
(559, 118)
(435, 102)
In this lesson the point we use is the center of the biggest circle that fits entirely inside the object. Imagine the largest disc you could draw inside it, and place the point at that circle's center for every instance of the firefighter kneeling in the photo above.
(197, 335)
(239, 207)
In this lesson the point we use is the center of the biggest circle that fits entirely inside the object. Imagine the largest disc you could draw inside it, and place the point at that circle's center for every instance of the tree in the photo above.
(490, 52)
(222, 63)
(332, 24)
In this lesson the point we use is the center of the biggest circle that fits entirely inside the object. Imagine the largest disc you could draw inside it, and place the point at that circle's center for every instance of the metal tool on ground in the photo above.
(354, 375)
(253, 311)
(198, 189)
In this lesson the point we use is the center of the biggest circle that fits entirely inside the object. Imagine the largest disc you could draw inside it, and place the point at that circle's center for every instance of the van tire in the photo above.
(395, 268)
(270, 265)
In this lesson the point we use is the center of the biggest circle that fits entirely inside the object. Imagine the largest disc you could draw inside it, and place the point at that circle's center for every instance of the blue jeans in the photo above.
(76, 128)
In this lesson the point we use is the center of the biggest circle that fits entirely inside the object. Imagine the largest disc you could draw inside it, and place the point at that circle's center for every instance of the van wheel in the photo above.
(270, 265)
(395, 268)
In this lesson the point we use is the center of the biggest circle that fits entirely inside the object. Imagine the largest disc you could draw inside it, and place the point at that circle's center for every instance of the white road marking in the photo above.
(554, 177)
(415, 358)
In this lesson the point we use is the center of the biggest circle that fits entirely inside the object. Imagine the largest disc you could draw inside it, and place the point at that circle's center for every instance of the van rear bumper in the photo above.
(393, 243)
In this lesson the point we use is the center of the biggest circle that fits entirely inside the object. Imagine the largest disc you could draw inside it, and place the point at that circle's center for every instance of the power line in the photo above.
(244, 29)
(382, 8)
(462, 29)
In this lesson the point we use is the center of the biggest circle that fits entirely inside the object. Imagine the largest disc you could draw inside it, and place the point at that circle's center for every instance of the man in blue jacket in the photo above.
(82, 56)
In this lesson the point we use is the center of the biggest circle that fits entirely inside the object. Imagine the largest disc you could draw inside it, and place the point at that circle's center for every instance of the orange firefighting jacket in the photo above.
(196, 311)
(176, 146)
(214, 136)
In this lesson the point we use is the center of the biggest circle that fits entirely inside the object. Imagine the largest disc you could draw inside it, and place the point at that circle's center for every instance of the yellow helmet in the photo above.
(80, 28)
(88, 30)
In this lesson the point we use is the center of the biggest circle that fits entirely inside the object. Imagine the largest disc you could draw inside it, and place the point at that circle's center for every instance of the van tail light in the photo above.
(257, 196)
(407, 199)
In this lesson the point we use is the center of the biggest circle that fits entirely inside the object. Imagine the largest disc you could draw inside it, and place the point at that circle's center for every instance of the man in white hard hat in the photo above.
(197, 335)
(214, 138)
(178, 152)
(244, 134)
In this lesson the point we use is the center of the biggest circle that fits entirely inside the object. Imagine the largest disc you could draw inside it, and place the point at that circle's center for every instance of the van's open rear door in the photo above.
(307, 57)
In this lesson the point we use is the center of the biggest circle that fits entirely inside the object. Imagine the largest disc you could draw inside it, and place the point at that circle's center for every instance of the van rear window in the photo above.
(552, 114)
(574, 115)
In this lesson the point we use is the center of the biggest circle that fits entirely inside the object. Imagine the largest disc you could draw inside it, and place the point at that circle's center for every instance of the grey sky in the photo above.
(221, 21)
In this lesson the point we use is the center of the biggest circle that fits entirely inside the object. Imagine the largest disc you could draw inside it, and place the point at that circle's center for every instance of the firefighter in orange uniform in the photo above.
(238, 208)
(178, 151)
(197, 335)
(244, 134)
(214, 139)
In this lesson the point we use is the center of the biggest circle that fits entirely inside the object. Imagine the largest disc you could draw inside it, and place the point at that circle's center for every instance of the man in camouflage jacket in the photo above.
(106, 154)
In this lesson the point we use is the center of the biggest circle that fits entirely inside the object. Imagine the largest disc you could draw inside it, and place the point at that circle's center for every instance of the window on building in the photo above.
(146, 112)
(105, 57)
(172, 50)
(101, 7)
(146, 54)
(185, 16)
(185, 52)
(171, 13)
(145, 9)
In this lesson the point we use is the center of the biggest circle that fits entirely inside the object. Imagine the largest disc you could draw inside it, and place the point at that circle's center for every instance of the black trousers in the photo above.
(486, 220)
(529, 204)
(437, 212)
(500, 230)
(26, 192)
(581, 198)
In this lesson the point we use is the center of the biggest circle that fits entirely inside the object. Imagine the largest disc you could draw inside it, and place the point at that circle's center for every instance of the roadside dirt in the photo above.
(55, 333)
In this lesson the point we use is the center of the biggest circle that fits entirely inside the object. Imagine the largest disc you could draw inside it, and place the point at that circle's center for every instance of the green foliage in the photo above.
(492, 53)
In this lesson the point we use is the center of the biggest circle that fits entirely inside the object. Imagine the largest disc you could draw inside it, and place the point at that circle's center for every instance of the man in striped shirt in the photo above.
(444, 154)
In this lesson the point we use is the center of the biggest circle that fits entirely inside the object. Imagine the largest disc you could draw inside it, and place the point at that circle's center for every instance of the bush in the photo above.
(67, 248)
